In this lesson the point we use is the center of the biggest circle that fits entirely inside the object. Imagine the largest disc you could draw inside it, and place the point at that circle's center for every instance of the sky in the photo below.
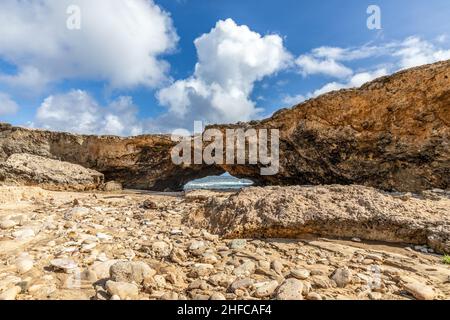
(129, 67)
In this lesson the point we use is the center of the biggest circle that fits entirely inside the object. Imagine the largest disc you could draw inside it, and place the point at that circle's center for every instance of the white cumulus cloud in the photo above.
(7, 105)
(78, 112)
(120, 42)
(231, 58)
(355, 81)
(411, 52)
(415, 51)
(309, 65)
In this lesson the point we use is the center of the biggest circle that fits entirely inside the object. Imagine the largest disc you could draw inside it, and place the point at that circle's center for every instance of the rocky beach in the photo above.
(360, 208)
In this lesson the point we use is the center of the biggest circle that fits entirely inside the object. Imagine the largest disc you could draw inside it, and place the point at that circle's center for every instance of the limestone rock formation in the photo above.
(31, 170)
(142, 162)
(392, 133)
(331, 211)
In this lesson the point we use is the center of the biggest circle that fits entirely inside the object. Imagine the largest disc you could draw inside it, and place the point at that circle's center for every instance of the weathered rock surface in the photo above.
(333, 211)
(31, 170)
(392, 133)
(142, 162)
(125, 263)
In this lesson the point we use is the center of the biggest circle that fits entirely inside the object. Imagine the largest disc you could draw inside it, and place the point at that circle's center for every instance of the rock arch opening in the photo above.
(224, 181)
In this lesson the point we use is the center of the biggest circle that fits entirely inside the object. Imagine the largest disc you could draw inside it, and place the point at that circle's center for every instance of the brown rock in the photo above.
(31, 170)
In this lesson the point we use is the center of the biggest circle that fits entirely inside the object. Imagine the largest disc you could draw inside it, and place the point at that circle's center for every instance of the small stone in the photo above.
(241, 284)
(102, 257)
(217, 296)
(24, 264)
(124, 290)
(209, 258)
(198, 284)
(11, 293)
(221, 280)
(149, 204)
(115, 297)
(374, 257)
(374, 295)
(176, 232)
(300, 274)
(112, 186)
(169, 296)
(161, 249)
(7, 224)
(104, 236)
(313, 296)
(342, 277)
(67, 265)
(238, 244)
(356, 239)
(420, 291)
(197, 247)
(277, 266)
(76, 213)
(102, 268)
(201, 269)
(290, 289)
(321, 282)
(245, 269)
(88, 247)
(131, 272)
(265, 289)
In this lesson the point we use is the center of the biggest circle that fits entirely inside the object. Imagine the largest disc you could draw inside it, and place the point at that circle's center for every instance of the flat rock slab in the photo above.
(333, 211)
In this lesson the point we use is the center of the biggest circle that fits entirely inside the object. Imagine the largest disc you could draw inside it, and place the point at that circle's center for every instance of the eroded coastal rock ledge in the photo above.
(391, 134)
(332, 211)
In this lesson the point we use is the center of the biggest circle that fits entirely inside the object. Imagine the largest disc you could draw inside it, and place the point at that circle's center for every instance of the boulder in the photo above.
(329, 211)
(32, 170)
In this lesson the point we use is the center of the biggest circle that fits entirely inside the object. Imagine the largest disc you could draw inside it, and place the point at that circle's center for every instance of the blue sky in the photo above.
(413, 32)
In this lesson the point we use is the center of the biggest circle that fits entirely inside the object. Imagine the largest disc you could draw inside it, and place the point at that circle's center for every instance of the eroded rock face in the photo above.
(392, 134)
(31, 170)
(142, 162)
(330, 211)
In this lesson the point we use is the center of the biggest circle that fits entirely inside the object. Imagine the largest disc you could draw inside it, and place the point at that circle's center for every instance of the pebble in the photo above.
(241, 284)
(161, 249)
(131, 272)
(420, 291)
(290, 289)
(245, 269)
(124, 290)
(104, 236)
(375, 295)
(238, 244)
(67, 265)
(265, 289)
(102, 268)
(201, 269)
(342, 277)
(217, 296)
(23, 234)
(76, 213)
(7, 224)
(313, 296)
(300, 274)
(24, 264)
(277, 266)
(11, 293)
